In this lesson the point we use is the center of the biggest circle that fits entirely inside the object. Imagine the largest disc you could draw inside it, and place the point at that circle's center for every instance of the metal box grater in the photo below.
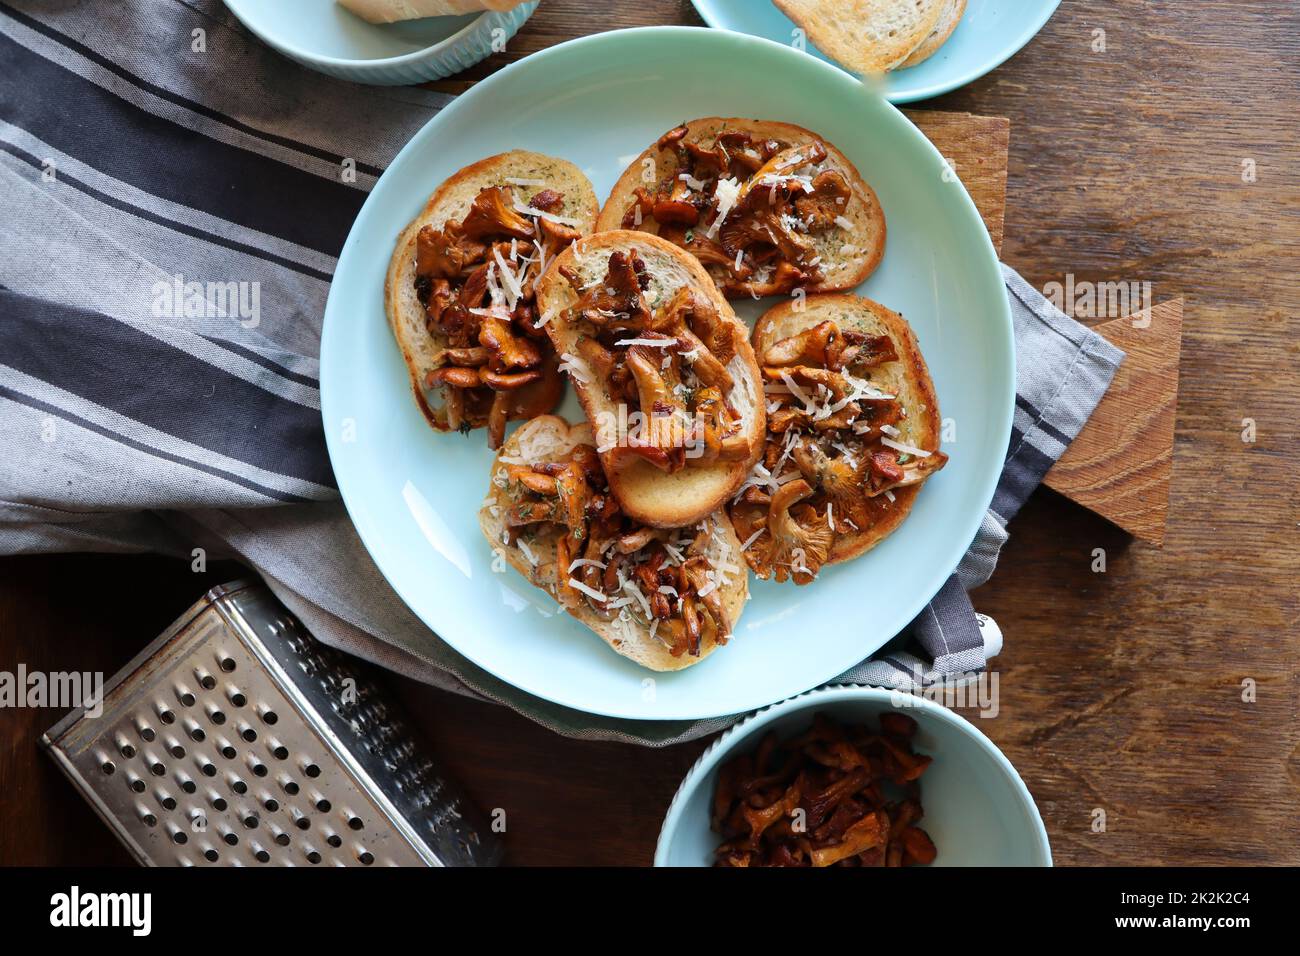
(237, 739)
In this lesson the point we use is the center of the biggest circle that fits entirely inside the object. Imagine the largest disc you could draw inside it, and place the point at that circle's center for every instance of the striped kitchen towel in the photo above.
(174, 199)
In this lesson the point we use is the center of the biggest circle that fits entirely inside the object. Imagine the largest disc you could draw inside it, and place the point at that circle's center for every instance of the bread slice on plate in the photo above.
(664, 371)
(766, 207)
(393, 11)
(853, 432)
(952, 13)
(666, 599)
(461, 289)
(867, 36)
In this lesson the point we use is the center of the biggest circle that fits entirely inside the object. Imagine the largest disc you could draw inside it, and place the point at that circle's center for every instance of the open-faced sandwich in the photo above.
(873, 36)
(663, 369)
(853, 430)
(461, 289)
(766, 207)
(666, 598)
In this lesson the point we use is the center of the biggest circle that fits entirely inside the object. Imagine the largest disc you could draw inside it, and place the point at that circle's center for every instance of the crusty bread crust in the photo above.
(908, 378)
(422, 351)
(841, 271)
(647, 494)
(867, 36)
(632, 638)
(952, 13)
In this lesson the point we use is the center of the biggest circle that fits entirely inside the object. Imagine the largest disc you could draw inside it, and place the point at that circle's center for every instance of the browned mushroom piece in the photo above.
(797, 542)
(806, 347)
(508, 351)
(829, 197)
(837, 479)
(493, 214)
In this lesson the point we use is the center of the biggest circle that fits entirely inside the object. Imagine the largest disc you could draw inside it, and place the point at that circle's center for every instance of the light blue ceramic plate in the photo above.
(414, 493)
(324, 36)
(977, 809)
(990, 32)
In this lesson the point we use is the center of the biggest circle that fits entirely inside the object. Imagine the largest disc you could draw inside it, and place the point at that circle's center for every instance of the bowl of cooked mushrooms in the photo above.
(853, 776)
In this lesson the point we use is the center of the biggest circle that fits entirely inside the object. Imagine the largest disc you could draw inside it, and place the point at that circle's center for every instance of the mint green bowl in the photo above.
(977, 809)
(324, 36)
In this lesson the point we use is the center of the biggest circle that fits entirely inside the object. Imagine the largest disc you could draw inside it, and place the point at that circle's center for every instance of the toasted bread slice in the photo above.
(906, 377)
(849, 249)
(646, 492)
(531, 550)
(423, 350)
(952, 13)
(867, 36)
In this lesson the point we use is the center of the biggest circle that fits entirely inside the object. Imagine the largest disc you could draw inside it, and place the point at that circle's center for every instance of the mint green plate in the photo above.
(414, 494)
(988, 34)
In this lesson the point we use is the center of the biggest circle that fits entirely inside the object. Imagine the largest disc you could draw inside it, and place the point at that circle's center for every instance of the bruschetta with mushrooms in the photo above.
(664, 371)
(461, 289)
(766, 207)
(665, 598)
(853, 430)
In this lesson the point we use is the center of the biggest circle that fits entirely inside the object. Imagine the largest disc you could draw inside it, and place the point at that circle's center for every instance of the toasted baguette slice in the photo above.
(423, 351)
(393, 11)
(952, 13)
(532, 552)
(648, 494)
(841, 269)
(867, 36)
(908, 378)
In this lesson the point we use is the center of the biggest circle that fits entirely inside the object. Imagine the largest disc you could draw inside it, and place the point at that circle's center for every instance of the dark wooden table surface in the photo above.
(1120, 691)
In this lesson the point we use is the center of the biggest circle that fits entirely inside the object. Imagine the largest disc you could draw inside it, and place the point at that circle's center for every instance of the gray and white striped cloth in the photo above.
(151, 143)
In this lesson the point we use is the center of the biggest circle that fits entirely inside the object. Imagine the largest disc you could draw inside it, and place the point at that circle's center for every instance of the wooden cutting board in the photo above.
(1119, 465)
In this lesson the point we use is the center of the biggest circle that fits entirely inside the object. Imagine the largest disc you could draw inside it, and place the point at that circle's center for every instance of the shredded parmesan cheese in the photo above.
(905, 448)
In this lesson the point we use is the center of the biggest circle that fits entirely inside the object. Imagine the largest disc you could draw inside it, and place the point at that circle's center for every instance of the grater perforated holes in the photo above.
(322, 804)
(146, 732)
(271, 804)
(311, 770)
(167, 801)
(211, 855)
(178, 835)
(236, 697)
(251, 820)
(197, 734)
(227, 751)
(207, 767)
(248, 733)
(282, 838)
(355, 823)
(218, 802)
(227, 663)
(107, 767)
(175, 749)
(147, 818)
(188, 785)
(313, 857)
(260, 854)
(136, 784)
(289, 786)
(334, 840)
(185, 696)
(238, 786)
(279, 751)
(206, 680)
(216, 715)
(270, 717)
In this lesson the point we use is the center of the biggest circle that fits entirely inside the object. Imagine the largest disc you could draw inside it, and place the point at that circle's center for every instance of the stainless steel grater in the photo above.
(237, 739)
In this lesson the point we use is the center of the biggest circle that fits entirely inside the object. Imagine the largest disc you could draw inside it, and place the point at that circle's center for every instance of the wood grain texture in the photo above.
(1119, 466)
(976, 149)
(1119, 691)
